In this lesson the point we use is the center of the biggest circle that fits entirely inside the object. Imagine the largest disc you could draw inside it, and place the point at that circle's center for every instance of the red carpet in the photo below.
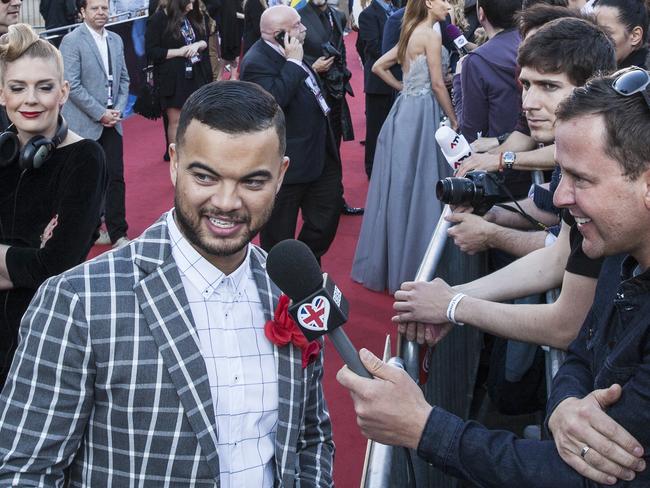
(149, 193)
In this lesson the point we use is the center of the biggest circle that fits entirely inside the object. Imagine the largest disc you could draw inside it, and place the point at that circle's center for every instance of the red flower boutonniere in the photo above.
(282, 330)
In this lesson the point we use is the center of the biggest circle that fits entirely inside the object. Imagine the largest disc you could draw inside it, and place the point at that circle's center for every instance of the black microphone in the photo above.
(456, 35)
(318, 306)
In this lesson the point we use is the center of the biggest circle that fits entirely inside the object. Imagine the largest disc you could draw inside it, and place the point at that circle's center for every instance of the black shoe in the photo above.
(351, 210)
(166, 156)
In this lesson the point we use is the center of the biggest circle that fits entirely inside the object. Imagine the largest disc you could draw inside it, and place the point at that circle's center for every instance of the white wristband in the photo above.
(451, 308)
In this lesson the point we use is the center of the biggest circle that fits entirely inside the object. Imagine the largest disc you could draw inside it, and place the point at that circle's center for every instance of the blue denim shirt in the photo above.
(613, 347)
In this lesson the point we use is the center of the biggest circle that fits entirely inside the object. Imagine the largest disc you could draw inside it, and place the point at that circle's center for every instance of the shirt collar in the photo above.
(203, 275)
(277, 48)
(96, 36)
(386, 6)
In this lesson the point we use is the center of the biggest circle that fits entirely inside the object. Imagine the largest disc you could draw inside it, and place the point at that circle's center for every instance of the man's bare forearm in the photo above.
(555, 324)
(515, 220)
(517, 242)
(536, 272)
(529, 159)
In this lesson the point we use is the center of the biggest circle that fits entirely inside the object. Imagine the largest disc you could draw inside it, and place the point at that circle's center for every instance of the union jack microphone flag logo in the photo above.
(314, 315)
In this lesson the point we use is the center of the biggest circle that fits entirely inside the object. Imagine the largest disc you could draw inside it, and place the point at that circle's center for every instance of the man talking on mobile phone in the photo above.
(313, 181)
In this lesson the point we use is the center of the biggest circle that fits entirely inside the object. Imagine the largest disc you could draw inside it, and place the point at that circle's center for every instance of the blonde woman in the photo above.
(51, 180)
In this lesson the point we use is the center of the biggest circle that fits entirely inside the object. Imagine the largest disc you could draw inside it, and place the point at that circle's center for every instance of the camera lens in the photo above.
(456, 191)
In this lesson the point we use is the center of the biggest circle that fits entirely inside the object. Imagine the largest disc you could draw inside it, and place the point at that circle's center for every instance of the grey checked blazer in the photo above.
(84, 70)
(108, 386)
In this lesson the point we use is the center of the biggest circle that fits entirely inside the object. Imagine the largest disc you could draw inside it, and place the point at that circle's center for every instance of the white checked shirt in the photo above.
(241, 366)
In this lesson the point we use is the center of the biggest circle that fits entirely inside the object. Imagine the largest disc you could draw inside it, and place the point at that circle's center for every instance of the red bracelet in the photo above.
(500, 168)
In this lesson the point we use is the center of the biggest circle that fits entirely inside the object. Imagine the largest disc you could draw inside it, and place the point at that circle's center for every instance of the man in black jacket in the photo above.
(313, 181)
(325, 53)
(379, 96)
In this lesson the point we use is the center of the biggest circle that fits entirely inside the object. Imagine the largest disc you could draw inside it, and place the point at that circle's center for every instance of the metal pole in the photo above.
(410, 351)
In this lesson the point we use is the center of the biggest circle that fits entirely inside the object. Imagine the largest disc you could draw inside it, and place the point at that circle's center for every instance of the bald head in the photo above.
(278, 18)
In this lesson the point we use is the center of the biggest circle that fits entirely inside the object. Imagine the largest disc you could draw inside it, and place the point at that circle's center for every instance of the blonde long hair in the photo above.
(21, 40)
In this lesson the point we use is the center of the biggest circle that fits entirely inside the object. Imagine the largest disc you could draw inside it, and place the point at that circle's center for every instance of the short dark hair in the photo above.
(500, 13)
(631, 13)
(233, 107)
(556, 3)
(627, 121)
(541, 14)
(576, 47)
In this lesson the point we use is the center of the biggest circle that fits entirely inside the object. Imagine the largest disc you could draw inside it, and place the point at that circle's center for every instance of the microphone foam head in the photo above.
(453, 31)
(453, 146)
(294, 269)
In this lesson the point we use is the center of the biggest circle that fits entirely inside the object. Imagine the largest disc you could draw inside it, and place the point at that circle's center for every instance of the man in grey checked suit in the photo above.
(93, 59)
(131, 370)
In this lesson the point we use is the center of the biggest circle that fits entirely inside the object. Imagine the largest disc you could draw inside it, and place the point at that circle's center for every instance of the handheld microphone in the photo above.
(456, 35)
(318, 306)
(454, 147)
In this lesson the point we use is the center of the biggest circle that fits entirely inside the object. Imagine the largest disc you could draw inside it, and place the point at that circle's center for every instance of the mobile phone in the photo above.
(280, 38)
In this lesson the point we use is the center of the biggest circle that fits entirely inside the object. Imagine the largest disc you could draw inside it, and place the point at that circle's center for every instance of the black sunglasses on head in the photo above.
(631, 81)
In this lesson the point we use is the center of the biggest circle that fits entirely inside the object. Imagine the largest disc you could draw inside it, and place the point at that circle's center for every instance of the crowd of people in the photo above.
(171, 358)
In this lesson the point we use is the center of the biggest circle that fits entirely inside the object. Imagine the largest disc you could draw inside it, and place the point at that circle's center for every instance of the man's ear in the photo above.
(480, 13)
(173, 163)
(636, 36)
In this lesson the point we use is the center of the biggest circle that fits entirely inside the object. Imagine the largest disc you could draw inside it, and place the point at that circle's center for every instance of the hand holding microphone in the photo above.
(318, 306)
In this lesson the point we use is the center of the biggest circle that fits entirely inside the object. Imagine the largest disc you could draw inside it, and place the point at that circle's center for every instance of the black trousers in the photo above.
(114, 207)
(320, 202)
(377, 109)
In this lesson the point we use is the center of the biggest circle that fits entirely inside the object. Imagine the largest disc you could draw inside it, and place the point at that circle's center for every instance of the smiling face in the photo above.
(9, 14)
(610, 209)
(541, 95)
(225, 189)
(33, 92)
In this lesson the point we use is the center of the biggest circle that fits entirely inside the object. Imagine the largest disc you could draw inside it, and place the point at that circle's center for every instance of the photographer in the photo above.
(324, 51)
(51, 180)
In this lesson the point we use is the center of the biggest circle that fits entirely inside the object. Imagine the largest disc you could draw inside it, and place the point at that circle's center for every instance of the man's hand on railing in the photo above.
(422, 310)
(471, 233)
(591, 442)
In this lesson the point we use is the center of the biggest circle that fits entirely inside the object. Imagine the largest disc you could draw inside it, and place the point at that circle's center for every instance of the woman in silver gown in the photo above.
(401, 207)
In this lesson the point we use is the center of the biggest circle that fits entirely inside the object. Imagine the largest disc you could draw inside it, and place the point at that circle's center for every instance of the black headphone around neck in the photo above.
(35, 152)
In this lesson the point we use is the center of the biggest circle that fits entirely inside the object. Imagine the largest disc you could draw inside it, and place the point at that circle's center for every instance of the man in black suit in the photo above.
(379, 96)
(325, 52)
(313, 181)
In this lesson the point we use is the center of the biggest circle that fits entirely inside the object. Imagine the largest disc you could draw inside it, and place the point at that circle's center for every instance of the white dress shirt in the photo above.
(101, 41)
(240, 362)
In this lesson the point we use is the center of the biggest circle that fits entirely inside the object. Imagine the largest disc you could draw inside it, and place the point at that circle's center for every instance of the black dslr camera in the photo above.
(338, 75)
(329, 50)
(478, 189)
